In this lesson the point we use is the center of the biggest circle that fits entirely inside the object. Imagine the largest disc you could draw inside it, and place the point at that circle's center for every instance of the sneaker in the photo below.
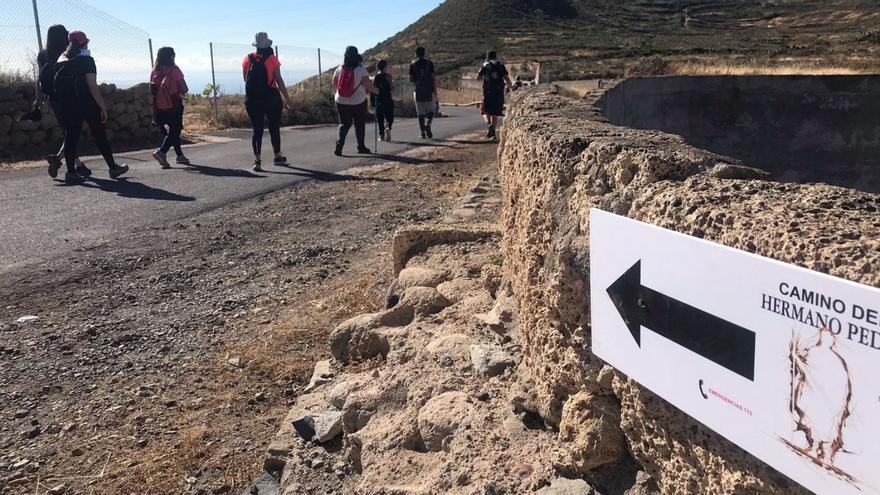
(118, 170)
(364, 151)
(54, 165)
(388, 135)
(424, 136)
(491, 133)
(161, 158)
(258, 166)
(182, 160)
(280, 160)
(382, 136)
(428, 132)
(83, 171)
(72, 178)
(338, 150)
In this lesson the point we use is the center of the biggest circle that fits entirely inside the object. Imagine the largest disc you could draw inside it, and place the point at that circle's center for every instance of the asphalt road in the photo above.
(41, 217)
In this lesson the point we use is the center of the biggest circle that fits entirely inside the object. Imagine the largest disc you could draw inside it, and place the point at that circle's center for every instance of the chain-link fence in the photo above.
(122, 51)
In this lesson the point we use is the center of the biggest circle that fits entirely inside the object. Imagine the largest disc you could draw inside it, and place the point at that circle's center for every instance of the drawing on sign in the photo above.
(820, 410)
(729, 345)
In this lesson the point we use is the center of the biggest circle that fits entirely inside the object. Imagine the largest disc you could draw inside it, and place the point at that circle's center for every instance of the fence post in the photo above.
(320, 74)
(152, 61)
(37, 24)
(214, 82)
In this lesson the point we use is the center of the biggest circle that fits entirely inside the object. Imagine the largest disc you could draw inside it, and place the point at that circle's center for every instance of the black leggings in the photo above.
(384, 115)
(356, 114)
(174, 120)
(72, 132)
(261, 111)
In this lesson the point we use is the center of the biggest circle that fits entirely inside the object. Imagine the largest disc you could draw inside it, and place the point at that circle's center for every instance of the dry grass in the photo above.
(813, 68)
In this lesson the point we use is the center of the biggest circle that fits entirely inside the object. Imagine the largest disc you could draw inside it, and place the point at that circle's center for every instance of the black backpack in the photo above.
(257, 82)
(494, 77)
(66, 84)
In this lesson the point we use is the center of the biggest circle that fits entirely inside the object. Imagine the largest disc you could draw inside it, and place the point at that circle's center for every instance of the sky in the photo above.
(122, 54)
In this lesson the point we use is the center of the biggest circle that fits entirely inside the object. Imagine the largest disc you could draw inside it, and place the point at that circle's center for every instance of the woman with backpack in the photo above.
(56, 43)
(352, 82)
(76, 86)
(169, 88)
(264, 88)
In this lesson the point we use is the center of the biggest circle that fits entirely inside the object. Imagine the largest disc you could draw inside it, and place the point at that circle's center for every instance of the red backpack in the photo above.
(345, 83)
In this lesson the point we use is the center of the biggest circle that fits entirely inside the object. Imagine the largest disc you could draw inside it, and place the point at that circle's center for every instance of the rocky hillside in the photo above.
(582, 38)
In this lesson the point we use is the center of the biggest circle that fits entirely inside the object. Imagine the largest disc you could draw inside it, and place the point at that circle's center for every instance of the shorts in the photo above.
(423, 108)
(493, 103)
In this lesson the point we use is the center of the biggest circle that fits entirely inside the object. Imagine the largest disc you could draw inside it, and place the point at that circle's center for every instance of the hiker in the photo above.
(421, 73)
(495, 77)
(76, 87)
(518, 83)
(383, 103)
(56, 43)
(264, 88)
(169, 88)
(352, 82)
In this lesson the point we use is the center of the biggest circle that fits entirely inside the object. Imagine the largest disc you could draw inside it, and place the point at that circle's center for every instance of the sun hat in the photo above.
(78, 36)
(261, 40)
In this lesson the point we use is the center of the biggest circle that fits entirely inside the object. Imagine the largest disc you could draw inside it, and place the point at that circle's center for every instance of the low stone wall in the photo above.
(130, 117)
(561, 157)
(799, 128)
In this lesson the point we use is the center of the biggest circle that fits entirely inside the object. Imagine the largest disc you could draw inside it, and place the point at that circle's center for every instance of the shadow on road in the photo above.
(420, 144)
(325, 176)
(468, 141)
(221, 172)
(128, 189)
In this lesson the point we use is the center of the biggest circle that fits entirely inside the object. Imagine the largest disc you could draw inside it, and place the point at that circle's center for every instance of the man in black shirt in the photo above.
(421, 73)
(495, 78)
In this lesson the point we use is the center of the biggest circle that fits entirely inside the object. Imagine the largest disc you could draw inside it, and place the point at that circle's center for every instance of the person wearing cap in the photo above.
(352, 83)
(76, 86)
(264, 88)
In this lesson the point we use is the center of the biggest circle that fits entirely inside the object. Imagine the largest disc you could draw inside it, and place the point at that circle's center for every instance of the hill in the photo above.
(591, 38)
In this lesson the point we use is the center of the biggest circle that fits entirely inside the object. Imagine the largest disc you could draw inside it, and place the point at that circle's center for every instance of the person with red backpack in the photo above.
(169, 88)
(264, 88)
(352, 83)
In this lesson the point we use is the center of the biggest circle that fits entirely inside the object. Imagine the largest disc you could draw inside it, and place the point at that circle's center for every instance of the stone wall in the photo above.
(130, 117)
(799, 128)
(560, 157)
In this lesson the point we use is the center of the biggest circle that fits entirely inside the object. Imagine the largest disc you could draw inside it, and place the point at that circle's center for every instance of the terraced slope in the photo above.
(582, 38)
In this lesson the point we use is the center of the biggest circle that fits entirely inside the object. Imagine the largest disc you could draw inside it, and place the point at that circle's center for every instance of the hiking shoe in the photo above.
(338, 151)
(118, 170)
(280, 160)
(182, 160)
(258, 166)
(162, 158)
(54, 165)
(83, 171)
(73, 178)
(429, 133)
(364, 151)
(388, 136)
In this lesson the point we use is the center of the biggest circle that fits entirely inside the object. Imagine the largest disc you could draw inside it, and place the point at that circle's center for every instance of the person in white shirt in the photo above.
(352, 83)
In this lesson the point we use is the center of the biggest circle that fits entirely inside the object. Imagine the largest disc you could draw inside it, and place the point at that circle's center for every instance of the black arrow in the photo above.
(713, 338)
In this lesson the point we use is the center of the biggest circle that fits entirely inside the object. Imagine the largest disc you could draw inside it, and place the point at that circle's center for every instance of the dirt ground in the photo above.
(164, 361)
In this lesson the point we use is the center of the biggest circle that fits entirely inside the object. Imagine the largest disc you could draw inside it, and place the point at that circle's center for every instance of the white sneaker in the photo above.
(161, 158)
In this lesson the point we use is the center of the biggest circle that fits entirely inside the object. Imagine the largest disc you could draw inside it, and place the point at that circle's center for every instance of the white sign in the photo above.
(781, 360)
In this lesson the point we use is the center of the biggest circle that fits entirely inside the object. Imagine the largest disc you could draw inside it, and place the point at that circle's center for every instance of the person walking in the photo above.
(495, 78)
(383, 103)
(264, 88)
(56, 43)
(421, 73)
(352, 82)
(76, 87)
(168, 86)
